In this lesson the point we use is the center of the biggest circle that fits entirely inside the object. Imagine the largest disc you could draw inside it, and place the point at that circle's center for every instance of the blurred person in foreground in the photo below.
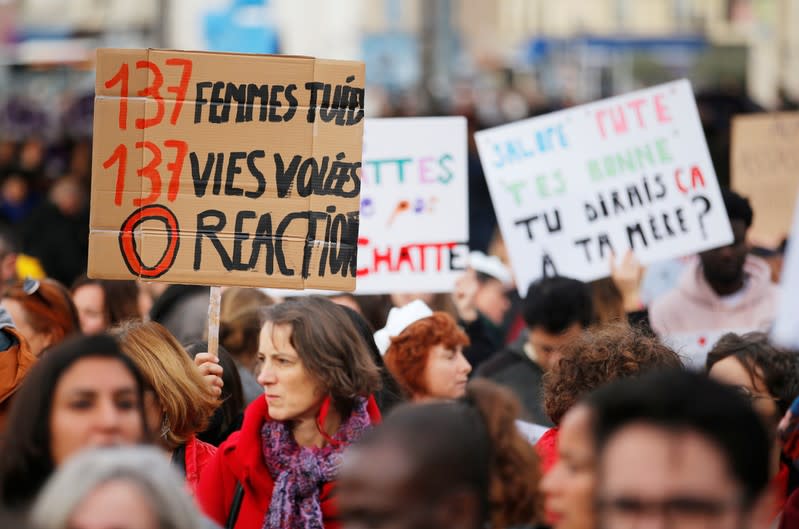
(556, 310)
(599, 357)
(103, 303)
(679, 450)
(424, 352)
(180, 395)
(457, 464)
(769, 378)
(84, 393)
(727, 290)
(119, 488)
(279, 471)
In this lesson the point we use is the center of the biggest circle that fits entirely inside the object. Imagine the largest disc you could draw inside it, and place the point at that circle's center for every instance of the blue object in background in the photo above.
(244, 27)
(392, 60)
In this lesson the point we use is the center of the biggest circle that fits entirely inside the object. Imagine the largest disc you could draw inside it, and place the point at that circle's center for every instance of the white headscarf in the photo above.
(398, 320)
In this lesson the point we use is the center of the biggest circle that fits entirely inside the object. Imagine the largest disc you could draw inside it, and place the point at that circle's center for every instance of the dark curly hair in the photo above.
(406, 357)
(599, 356)
(778, 369)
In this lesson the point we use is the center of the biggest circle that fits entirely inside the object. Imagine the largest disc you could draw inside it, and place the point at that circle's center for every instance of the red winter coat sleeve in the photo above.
(198, 455)
(215, 489)
(239, 460)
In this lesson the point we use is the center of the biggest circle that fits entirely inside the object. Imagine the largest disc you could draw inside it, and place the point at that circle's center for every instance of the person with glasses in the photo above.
(598, 357)
(34, 315)
(769, 378)
(42, 311)
(678, 450)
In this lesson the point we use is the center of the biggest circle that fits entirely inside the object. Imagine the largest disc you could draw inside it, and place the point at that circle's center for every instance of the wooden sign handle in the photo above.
(213, 320)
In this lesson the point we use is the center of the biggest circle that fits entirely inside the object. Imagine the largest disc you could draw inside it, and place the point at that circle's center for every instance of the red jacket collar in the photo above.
(244, 453)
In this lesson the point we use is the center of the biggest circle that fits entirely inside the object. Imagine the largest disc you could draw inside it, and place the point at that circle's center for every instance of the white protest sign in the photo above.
(627, 172)
(786, 327)
(414, 207)
(693, 347)
(414, 221)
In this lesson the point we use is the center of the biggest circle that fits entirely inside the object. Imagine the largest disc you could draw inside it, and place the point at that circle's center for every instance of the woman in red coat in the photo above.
(278, 472)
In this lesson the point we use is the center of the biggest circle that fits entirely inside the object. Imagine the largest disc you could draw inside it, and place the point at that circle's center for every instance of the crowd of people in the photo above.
(575, 407)
(652, 398)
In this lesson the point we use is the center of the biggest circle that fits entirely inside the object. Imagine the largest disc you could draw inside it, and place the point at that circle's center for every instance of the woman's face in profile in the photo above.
(446, 373)
(95, 403)
(569, 486)
(114, 505)
(290, 390)
(89, 299)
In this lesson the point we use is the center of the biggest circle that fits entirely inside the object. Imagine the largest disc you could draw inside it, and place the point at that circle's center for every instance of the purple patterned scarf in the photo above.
(299, 472)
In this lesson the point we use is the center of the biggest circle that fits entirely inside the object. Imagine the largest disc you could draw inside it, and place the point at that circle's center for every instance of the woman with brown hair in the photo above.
(178, 400)
(84, 393)
(769, 378)
(103, 303)
(425, 354)
(458, 463)
(279, 470)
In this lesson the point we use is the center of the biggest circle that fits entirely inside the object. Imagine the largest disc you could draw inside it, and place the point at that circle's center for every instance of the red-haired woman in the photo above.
(35, 315)
(425, 354)
(42, 311)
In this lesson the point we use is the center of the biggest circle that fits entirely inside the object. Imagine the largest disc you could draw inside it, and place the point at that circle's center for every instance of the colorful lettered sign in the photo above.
(414, 205)
(629, 172)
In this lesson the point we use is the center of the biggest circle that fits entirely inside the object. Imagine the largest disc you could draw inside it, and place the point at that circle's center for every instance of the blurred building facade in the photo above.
(568, 50)
(725, 41)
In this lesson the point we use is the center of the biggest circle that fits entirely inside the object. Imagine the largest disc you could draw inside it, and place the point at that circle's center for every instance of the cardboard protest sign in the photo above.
(765, 168)
(629, 172)
(786, 327)
(231, 169)
(414, 207)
